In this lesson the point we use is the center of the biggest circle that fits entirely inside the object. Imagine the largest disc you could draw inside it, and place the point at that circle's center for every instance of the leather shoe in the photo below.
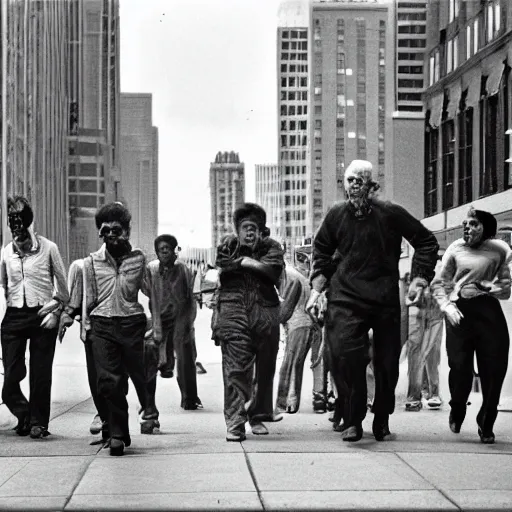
(352, 434)
(454, 425)
(116, 447)
(380, 427)
(486, 437)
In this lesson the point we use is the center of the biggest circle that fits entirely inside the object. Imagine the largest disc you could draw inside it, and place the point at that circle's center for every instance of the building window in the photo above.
(465, 156)
(448, 148)
(468, 42)
(476, 36)
(453, 10)
(488, 145)
(431, 142)
(449, 56)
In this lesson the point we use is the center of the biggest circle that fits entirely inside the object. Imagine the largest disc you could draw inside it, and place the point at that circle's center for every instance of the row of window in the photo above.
(294, 56)
(294, 95)
(292, 169)
(292, 110)
(294, 68)
(300, 45)
(289, 141)
(292, 81)
(294, 34)
(87, 186)
(295, 215)
(294, 200)
(293, 125)
(86, 201)
(293, 155)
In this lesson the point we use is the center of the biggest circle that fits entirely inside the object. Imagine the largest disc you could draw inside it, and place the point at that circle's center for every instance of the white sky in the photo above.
(211, 66)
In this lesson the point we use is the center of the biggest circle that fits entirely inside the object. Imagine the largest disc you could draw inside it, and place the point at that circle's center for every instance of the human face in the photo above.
(473, 231)
(18, 230)
(249, 233)
(166, 253)
(113, 234)
(356, 184)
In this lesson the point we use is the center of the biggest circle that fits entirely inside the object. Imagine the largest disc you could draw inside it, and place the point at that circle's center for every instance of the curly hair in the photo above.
(113, 212)
(251, 211)
(21, 205)
(171, 240)
(488, 220)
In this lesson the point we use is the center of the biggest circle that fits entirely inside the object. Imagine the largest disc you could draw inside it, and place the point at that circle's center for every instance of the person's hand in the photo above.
(65, 321)
(50, 321)
(453, 314)
(311, 306)
(416, 288)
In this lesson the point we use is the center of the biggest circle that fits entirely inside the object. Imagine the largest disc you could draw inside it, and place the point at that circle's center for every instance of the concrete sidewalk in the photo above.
(301, 465)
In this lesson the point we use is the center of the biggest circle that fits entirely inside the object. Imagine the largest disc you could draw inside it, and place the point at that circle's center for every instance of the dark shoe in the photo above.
(338, 427)
(116, 447)
(23, 426)
(380, 426)
(191, 405)
(456, 419)
(352, 434)
(150, 427)
(38, 432)
(413, 405)
(234, 437)
(199, 404)
(486, 437)
(200, 369)
(166, 374)
(96, 425)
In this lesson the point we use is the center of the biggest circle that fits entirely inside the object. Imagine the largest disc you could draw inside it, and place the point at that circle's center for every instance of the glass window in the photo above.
(88, 170)
(90, 186)
(468, 41)
(87, 201)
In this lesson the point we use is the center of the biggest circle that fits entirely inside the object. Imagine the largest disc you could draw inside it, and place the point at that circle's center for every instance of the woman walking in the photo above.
(474, 274)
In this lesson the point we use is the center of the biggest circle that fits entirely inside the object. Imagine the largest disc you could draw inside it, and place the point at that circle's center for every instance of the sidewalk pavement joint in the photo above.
(253, 476)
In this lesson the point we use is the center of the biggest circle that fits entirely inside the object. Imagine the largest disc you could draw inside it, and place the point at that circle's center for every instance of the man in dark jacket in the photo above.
(364, 293)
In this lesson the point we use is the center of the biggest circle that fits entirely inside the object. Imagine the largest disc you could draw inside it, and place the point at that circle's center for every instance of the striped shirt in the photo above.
(35, 278)
(463, 269)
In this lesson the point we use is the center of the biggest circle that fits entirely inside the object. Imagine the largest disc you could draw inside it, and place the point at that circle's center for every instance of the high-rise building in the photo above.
(293, 125)
(94, 135)
(468, 104)
(139, 164)
(34, 103)
(352, 95)
(227, 192)
(269, 196)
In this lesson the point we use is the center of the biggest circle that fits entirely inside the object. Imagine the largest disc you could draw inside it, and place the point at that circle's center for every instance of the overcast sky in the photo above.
(211, 67)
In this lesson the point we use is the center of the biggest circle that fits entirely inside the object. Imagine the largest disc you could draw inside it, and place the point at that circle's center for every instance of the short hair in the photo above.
(171, 240)
(21, 205)
(250, 211)
(488, 221)
(113, 212)
(366, 168)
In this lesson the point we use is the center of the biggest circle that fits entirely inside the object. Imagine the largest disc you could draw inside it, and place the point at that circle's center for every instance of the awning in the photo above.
(455, 93)
(436, 110)
(494, 78)
(473, 83)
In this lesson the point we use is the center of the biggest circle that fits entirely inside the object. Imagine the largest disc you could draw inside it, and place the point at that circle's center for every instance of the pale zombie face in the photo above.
(249, 233)
(356, 183)
(166, 253)
(473, 231)
(19, 220)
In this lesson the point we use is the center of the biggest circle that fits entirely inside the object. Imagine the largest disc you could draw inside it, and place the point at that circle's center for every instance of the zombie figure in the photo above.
(246, 323)
(474, 276)
(113, 321)
(363, 294)
(302, 335)
(34, 283)
(174, 309)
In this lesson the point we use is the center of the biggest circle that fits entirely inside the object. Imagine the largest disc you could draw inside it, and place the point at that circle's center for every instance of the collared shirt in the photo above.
(294, 290)
(35, 278)
(110, 290)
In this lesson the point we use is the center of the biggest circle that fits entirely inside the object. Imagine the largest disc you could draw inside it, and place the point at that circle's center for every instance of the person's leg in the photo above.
(285, 376)
(434, 336)
(319, 384)
(492, 347)
(14, 344)
(460, 351)
(186, 374)
(42, 351)
(167, 347)
(386, 359)
(150, 414)
(415, 358)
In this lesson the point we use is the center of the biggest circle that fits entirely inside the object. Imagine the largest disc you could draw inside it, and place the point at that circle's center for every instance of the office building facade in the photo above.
(227, 192)
(139, 164)
(468, 126)
(269, 195)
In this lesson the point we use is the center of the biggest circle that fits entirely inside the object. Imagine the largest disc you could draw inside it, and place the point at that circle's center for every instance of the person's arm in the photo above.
(75, 286)
(59, 277)
(146, 283)
(3, 273)
(501, 284)
(324, 247)
(191, 303)
(290, 295)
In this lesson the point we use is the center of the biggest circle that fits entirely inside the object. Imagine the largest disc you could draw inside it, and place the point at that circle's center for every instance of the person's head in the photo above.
(249, 221)
(165, 249)
(20, 216)
(358, 180)
(113, 224)
(478, 226)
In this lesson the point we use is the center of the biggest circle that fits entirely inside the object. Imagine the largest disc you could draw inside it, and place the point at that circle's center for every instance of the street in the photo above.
(301, 465)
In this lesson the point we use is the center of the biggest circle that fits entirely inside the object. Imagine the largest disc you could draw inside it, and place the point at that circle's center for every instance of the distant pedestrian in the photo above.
(474, 275)
(33, 279)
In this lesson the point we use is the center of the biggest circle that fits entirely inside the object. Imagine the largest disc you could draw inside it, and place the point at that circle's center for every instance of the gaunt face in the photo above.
(473, 231)
(18, 230)
(166, 254)
(249, 233)
(114, 236)
(356, 184)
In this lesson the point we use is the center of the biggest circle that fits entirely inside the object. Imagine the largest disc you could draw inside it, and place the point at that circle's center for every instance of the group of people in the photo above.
(121, 341)
(352, 291)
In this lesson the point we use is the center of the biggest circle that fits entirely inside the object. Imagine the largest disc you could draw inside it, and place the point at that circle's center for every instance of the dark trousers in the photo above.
(18, 326)
(118, 348)
(92, 376)
(483, 331)
(347, 351)
(249, 339)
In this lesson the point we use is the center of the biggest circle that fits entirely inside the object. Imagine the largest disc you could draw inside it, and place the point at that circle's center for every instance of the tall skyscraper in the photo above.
(227, 192)
(293, 126)
(269, 195)
(352, 95)
(94, 135)
(34, 102)
(139, 164)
